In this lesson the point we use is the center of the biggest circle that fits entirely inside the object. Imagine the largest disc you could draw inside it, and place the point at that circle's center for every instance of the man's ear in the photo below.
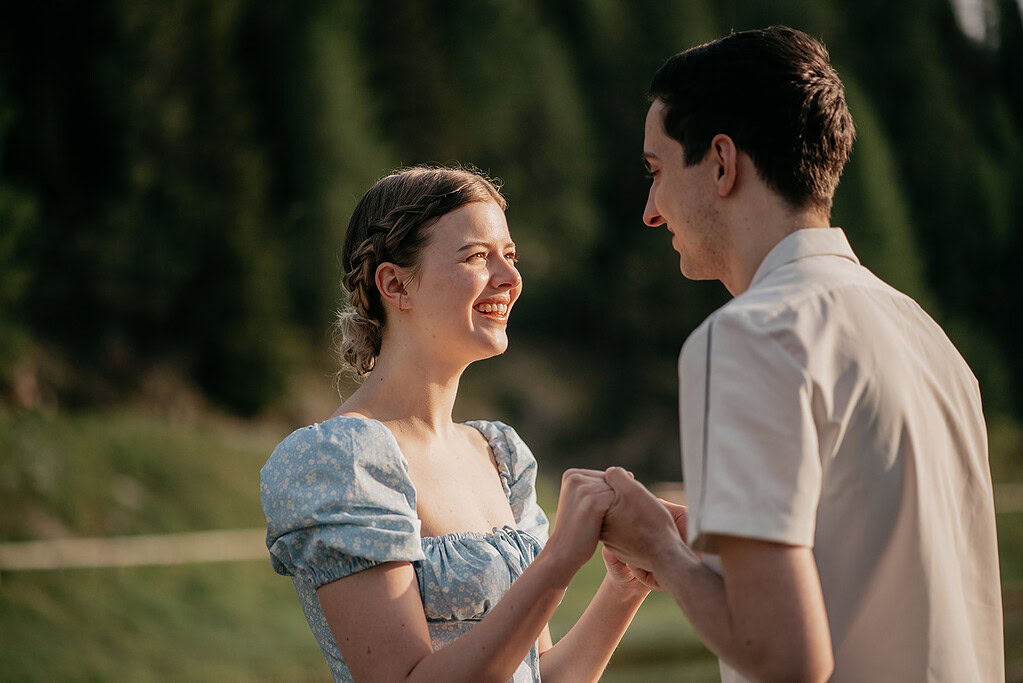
(390, 281)
(725, 163)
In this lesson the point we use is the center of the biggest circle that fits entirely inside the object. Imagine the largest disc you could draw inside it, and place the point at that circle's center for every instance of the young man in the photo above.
(834, 449)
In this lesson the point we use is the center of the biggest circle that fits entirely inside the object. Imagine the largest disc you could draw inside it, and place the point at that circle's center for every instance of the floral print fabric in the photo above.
(338, 499)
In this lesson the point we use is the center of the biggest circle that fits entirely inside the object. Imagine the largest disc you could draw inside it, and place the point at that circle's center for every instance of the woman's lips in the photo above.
(492, 307)
(494, 311)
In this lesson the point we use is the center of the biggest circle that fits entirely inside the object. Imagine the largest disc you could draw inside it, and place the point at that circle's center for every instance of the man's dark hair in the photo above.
(775, 93)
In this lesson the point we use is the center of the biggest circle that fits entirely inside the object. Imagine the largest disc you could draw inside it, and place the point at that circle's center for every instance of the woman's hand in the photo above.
(625, 578)
(584, 499)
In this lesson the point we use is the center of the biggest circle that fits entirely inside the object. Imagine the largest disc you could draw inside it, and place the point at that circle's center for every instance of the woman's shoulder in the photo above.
(513, 456)
(342, 436)
(497, 431)
(343, 452)
(334, 491)
(518, 470)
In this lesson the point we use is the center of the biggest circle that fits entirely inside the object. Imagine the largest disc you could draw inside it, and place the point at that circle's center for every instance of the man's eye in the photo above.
(479, 254)
(512, 256)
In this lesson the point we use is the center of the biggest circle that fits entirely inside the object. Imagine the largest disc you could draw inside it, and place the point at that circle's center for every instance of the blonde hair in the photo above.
(390, 225)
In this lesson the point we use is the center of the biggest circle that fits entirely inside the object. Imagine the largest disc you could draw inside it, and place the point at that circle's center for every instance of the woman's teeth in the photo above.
(499, 309)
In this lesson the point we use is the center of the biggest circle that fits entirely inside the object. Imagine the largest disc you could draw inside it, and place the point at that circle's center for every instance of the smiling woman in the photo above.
(462, 289)
(390, 225)
(416, 544)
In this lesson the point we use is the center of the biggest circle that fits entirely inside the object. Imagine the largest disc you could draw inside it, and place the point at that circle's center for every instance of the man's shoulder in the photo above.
(755, 313)
(790, 310)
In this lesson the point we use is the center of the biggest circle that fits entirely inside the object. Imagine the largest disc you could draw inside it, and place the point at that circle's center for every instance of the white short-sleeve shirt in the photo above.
(823, 408)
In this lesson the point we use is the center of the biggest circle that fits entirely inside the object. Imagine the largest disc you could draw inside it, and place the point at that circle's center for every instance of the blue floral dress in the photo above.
(338, 499)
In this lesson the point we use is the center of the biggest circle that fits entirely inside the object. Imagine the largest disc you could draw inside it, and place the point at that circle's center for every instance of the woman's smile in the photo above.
(495, 309)
(467, 283)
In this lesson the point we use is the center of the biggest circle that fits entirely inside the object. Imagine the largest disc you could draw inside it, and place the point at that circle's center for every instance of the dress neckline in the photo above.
(495, 533)
(503, 474)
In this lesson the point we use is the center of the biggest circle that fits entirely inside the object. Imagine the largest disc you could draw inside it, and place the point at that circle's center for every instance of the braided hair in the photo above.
(390, 225)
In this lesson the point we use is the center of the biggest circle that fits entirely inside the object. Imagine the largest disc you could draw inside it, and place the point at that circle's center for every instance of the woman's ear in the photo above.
(390, 281)
(726, 169)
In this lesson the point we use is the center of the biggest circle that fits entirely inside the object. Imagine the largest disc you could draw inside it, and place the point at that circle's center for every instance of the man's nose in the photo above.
(650, 215)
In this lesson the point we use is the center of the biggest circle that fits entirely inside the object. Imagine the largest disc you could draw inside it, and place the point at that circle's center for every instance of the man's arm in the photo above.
(764, 615)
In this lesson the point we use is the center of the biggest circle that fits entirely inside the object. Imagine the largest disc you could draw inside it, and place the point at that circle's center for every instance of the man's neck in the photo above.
(755, 233)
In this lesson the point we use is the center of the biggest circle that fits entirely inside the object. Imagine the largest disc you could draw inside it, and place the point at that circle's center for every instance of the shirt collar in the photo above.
(802, 244)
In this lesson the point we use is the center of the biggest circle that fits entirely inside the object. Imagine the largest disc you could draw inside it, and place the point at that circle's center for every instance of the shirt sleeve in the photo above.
(521, 481)
(338, 499)
(749, 442)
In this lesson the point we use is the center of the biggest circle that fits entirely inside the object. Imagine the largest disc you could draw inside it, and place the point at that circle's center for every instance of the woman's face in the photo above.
(467, 284)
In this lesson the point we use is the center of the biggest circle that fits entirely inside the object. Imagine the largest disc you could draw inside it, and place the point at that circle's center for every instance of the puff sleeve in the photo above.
(338, 499)
(518, 471)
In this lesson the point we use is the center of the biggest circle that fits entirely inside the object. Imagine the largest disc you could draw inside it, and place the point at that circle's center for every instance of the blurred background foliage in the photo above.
(176, 178)
(175, 181)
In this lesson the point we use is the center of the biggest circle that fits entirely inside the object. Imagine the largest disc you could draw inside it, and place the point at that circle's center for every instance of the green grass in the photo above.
(213, 622)
(129, 473)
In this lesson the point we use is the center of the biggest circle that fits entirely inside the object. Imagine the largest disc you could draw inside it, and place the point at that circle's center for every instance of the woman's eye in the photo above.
(512, 256)
(479, 255)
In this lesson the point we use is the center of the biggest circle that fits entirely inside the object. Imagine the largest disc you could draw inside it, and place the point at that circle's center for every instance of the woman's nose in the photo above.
(506, 275)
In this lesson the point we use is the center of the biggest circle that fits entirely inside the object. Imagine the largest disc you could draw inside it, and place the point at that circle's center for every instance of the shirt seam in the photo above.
(706, 430)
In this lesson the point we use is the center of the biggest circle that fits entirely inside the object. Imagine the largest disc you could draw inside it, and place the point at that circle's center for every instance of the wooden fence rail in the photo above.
(238, 544)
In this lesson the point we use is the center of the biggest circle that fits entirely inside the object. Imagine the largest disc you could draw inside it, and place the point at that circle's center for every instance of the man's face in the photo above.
(681, 199)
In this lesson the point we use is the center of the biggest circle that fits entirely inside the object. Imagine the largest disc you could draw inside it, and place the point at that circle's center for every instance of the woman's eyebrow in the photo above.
(473, 245)
(485, 245)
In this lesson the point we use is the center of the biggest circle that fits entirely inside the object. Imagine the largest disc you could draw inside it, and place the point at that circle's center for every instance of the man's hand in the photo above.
(638, 527)
(680, 514)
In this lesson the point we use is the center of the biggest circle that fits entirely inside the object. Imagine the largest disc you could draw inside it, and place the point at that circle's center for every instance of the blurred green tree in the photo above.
(175, 181)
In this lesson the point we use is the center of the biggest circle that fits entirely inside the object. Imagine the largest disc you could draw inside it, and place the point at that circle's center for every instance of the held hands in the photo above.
(640, 529)
(636, 527)
(628, 574)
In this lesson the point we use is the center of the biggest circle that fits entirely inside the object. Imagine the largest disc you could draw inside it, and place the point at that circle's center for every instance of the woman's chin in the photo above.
(495, 346)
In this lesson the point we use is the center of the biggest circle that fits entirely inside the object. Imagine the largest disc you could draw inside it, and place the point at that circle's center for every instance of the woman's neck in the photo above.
(414, 393)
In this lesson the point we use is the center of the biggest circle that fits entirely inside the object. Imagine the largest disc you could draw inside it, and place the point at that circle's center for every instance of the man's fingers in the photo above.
(580, 473)
(618, 478)
(677, 511)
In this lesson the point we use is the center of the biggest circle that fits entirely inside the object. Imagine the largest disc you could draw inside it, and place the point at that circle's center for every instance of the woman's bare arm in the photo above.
(586, 649)
(377, 619)
(379, 625)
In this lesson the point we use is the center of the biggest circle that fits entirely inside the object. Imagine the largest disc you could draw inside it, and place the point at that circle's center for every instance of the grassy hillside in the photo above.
(131, 473)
